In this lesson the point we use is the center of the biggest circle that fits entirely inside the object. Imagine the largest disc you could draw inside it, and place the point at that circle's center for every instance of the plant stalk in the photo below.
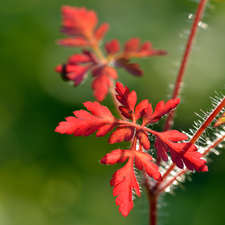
(186, 56)
(152, 207)
(198, 133)
(178, 84)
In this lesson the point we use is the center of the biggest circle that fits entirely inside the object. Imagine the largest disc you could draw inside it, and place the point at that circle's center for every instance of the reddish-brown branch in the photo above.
(198, 133)
(203, 127)
(152, 207)
(207, 150)
(180, 76)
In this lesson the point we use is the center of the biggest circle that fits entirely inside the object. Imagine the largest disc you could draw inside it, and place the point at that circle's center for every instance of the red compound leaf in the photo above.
(81, 22)
(112, 47)
(160, 111)
(220, 121)
(78, 21)
(84, 123)
(124, 179)
(125, 97)
(181, 153)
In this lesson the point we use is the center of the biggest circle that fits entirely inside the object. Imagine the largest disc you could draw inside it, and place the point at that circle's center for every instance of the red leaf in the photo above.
(124, 180)
(143, 161)
(116, 156)
(100, 85)
(134, 69)
(160, 111)
(99, 110)
(84, 123)
(78, 21)
(148, 114)
(105, 70)
(77, 73)
(111, 72)
(146, 50)
(125, 97)
(122, 133)
(112, 47)
(140, 109)
(131, 45)
(102, 81)
(181, 153)
(125, 113)
(101, 31)
(142, 136)
(79, 58)
(132, 49)
(73, 42)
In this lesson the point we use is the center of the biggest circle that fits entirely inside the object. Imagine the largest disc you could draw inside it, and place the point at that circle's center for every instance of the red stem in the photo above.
(153, 207)
(186, 56)
(198, 133)
(213, 145)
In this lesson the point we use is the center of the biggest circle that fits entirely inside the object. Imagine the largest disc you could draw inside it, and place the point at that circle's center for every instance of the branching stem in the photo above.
(198, 133)
(207, 150)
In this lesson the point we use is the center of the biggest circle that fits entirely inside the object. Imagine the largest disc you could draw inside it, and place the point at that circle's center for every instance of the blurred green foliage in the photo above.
(52, 179)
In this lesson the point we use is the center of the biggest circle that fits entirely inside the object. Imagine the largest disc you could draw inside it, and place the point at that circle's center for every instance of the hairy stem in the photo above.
(186, 56)
(203, 127)
(198, 133)
(215, 143)
(178, 84)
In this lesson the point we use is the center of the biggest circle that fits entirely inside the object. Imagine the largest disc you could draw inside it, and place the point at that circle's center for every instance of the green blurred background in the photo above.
(52, 179)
